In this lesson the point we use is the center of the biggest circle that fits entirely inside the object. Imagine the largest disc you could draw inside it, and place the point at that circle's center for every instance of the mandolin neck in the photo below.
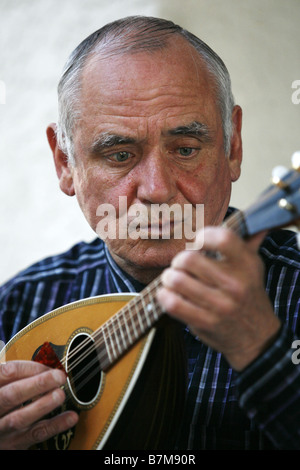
(128, 325)
(236, 222)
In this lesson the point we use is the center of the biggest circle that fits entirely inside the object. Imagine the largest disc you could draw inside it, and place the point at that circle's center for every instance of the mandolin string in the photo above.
(130, 336)
(98, 358)
(109, 325)
(233, 222)
(83, 370)
(113, 328)
(92, 372)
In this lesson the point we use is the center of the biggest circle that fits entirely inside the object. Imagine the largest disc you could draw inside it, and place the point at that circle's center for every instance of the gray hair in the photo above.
(130, 35)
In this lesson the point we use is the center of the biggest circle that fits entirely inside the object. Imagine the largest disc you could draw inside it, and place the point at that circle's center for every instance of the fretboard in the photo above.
(128, 325)
(236, 223)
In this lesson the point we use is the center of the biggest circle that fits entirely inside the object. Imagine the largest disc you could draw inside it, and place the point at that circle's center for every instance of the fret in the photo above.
(104, 354)
(147, 308)
(156, 311)
(123, 331)
(133, 323)
(115, 334)
(128, 325)
(139, 318)
(110, 347)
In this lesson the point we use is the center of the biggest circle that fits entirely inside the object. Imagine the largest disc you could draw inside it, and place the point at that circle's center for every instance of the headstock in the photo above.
(279, 205)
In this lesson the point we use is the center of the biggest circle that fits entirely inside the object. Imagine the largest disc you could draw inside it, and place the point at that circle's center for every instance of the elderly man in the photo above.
(146, 113)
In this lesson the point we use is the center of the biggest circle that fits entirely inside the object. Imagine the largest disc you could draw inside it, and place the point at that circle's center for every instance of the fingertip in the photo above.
(13, 370)
(72, 418)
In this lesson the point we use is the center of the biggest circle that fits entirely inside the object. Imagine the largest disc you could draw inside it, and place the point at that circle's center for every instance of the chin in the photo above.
(148, 254)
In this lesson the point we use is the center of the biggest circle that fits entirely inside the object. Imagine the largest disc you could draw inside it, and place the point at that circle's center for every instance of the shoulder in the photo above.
(67, 264)
(46, 284)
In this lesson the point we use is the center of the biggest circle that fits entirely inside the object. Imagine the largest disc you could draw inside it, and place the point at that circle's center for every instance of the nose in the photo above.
(156, 182)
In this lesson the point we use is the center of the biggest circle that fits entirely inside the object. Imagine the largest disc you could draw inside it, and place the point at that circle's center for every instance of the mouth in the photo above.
(157, 230)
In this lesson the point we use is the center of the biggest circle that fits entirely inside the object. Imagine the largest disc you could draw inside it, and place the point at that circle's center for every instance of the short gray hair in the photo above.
(130, 35)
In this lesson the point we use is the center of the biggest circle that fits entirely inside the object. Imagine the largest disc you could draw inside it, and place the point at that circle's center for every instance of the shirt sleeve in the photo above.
(269, 391)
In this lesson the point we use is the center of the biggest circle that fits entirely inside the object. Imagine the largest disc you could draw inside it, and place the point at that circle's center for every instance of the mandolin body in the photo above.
(137, 402)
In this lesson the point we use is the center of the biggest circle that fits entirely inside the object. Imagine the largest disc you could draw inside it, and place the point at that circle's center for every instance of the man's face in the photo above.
(150, 131)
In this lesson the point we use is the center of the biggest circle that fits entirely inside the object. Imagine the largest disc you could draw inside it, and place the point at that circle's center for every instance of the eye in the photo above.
(121, 156)
(186, 151)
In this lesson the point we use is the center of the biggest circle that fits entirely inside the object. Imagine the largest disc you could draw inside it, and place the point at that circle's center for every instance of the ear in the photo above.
(63, 168)
(236, 147)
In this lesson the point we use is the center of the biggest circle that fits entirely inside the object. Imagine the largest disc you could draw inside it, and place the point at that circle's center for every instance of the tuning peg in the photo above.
(284, 204)
(277, 174)
(296, 160)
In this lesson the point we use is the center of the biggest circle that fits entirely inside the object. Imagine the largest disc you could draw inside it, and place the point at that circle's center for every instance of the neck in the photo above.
(142, 274)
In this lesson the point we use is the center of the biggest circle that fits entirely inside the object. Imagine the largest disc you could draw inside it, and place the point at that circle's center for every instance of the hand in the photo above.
(20, 418)
(223, 300)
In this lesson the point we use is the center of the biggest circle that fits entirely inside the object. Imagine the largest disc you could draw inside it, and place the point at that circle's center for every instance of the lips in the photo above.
(156, 231)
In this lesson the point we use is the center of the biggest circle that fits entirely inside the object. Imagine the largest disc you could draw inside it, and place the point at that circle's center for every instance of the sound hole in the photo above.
(83, 369)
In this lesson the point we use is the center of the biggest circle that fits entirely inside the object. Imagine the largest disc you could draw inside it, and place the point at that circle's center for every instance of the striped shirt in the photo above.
(258, 408)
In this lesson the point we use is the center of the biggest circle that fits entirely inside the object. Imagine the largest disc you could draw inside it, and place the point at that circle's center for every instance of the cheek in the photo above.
(88, 193)
(94, 188)
(211, 186)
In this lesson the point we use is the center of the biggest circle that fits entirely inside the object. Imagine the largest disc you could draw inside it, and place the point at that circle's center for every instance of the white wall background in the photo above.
(258, 40)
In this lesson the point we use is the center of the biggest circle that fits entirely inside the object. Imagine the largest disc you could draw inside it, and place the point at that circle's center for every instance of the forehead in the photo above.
(163, 85)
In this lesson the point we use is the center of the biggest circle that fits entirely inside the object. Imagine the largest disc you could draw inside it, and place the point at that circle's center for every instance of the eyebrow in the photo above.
(107, 140)
(194, 128)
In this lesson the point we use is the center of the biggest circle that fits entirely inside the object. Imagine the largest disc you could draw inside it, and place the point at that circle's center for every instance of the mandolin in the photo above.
(124, 357)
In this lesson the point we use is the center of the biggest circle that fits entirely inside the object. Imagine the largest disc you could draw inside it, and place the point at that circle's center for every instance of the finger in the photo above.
(223, 241)
(39, 432)
(44, 430)
(16, 370)
(24, 417)
(199, 266)
(227, 242)
(183, 310)
(188, 287)
(16, 393)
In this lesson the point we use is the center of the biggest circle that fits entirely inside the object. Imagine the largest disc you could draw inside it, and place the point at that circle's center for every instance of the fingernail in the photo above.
(57, 396)
(72, 419)
(59, 377)
(7, 368)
